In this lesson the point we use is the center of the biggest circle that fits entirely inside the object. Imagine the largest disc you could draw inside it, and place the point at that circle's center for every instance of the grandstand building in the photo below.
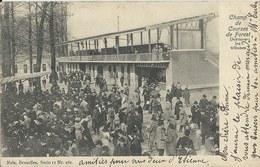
(184, 50)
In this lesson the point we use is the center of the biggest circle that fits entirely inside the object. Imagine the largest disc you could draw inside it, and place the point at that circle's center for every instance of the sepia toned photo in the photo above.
(129, 83)
(109, 79)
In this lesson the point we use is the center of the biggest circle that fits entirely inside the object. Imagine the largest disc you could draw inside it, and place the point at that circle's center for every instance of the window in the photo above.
(25, 68)
(43, 67)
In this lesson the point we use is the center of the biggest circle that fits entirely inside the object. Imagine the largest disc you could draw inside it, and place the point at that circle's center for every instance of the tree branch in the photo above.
(43, 9)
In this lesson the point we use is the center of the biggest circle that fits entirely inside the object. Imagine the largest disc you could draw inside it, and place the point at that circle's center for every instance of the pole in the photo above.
(118, 23)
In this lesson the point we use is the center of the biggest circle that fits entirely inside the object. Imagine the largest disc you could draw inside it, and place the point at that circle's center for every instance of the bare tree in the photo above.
(54, 76)
(30, 38)
(13, 55)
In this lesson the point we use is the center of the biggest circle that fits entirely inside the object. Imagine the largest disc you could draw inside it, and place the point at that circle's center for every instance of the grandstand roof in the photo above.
(150, 27)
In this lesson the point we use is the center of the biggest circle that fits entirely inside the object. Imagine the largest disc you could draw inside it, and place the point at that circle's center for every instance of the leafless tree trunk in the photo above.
(30, 39)
(7, 41)
(39, 40)
(54, 76)
(40, 33)
(13, 41)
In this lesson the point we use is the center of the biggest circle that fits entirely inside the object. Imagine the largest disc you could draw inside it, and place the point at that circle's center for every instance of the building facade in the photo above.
(184, 50)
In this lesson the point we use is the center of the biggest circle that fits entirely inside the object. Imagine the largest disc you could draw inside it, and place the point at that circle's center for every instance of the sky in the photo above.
(94, 18)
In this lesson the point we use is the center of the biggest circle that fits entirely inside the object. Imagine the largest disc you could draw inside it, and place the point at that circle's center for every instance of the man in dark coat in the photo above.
(97, 151)
(185, 143)
(96, 122)
(121, 148)
(130, 122)
(122, 80)
(204, 102)
(139, 111)
(87, 135)
(205, 125)
(195, 111)
(177, 108)
(173, 90)
(146, 97)
(135, 144)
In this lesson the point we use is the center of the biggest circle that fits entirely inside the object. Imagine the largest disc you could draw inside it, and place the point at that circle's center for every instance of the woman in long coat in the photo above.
(171, 140)
(183, 118)
(152, 133)
(167, 112)
(160, 138)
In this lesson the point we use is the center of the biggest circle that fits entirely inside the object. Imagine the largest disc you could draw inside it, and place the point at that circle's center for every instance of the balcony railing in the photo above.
(119, 57)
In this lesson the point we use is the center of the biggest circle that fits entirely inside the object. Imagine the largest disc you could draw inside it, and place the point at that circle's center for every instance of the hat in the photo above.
(78, 119)
(154, 118)
(204, 96)
(160, 122)
(171, 126)
(121, 139)
(195, 102)
(98, 142)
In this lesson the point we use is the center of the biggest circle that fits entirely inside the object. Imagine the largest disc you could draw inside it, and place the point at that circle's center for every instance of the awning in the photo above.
(23, 77)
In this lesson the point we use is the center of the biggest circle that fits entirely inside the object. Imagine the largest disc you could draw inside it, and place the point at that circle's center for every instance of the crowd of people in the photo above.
(88, 120)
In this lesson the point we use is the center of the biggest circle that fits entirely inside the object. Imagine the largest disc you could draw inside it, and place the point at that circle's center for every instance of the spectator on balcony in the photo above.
(114, 50)
(135, 51)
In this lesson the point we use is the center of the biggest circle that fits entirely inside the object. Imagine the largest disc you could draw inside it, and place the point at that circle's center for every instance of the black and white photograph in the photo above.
(109, 79)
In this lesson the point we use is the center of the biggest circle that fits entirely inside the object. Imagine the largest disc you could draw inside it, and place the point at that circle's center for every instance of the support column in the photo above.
(169, 75)
(86, 42)
(95, 70)
(177, 36)
(97, 44)
(105, 42)
(127, 40)
(149, 41)
(71, 50)
(77, 67)
(202, 35)
(91, 73)
(171, 36)
(118, 70)
(67, 67)
(86, 66)
(125, 74)
(78, 49)
(133, 80)
(132, 41)
(158, 35)
(141, 36)
(106, 73)
(117, 44)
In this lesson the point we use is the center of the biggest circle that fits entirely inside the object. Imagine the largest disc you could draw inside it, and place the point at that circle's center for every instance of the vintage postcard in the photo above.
(129, 83)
